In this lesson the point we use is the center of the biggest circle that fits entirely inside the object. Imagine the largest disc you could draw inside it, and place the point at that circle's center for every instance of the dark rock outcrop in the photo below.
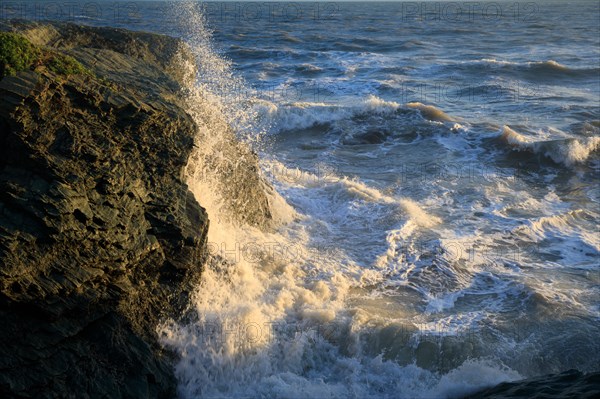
(100, 237)
(569, 384)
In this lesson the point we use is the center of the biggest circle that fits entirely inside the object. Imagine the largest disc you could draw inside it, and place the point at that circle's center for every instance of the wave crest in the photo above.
(567, 151)
(430, 112)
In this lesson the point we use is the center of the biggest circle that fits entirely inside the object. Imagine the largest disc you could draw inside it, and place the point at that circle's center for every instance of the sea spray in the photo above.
(223, 171)
(242, 301)
(271, 315)
(569, 151)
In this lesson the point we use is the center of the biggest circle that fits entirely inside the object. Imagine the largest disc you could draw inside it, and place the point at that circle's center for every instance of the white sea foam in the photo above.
(281, 311)
(299, 115)
(569, 226)
(504, 62)
(567, 151)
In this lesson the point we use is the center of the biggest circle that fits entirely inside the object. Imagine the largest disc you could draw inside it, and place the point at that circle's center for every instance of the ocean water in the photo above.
(435, 192)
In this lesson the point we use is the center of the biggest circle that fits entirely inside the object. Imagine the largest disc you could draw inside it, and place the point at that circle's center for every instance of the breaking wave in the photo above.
(287, 303)
(533, 69)
(566, 151)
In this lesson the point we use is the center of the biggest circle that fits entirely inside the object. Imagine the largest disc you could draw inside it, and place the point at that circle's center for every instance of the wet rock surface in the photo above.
(569, 384)
(100, 238)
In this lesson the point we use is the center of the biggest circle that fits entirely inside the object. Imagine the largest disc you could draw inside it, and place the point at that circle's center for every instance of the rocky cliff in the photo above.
(100, 237)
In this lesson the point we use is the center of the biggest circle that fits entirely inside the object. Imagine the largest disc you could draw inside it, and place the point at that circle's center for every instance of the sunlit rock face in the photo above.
(100, 237)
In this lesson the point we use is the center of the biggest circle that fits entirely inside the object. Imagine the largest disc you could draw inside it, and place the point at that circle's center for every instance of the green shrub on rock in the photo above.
(16, 54)
(66, 65)
(19, 54)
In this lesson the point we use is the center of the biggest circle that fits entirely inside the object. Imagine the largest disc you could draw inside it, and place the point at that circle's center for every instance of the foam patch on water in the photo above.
(290, 309)
(300, 115)
(469, 378)
(550, 63)
(567, 151)
(417, 214)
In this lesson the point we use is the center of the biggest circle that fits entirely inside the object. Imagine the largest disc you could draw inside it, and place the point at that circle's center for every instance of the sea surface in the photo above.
(435, 168)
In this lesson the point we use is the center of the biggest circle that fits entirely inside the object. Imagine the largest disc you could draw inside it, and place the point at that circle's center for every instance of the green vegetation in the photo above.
(19, 54)
(16, 54)
(66, 65)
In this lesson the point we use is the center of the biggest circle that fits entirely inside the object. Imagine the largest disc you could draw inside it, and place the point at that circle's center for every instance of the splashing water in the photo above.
(286, 307)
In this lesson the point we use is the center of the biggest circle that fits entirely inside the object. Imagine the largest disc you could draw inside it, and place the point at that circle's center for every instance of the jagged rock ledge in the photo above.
(569, 384)
(100, 237)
